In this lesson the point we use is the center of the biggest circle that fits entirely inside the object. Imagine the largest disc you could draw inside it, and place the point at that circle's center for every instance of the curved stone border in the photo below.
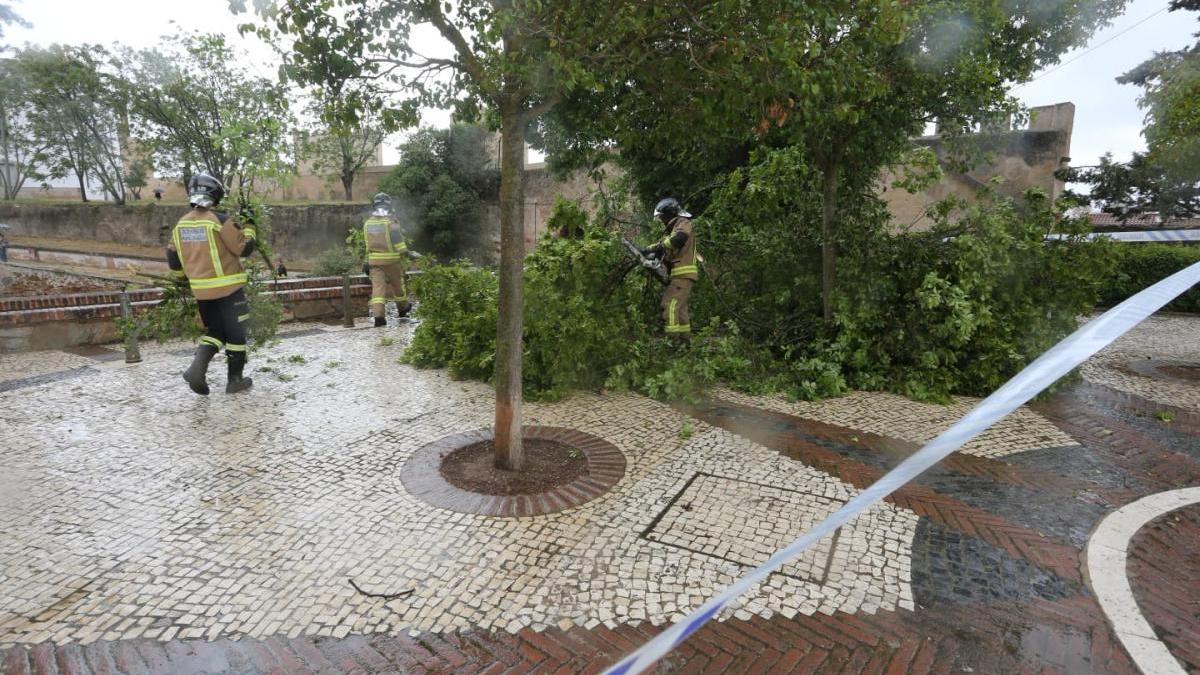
(1107, 551)
(422, 476)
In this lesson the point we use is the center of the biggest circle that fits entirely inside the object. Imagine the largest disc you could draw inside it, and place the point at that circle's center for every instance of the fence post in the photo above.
(132, 353)
(347, 308)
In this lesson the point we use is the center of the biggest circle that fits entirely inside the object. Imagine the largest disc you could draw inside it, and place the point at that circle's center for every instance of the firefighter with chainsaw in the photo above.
(677, 249)
(386, 253)
(205, 251)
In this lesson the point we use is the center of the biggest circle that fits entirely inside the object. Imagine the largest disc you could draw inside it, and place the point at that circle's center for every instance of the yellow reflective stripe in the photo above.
(400, 248)
(218, 269)
(243, 317)
(250, 232)
(235, 348)
(686, 328)
(667, 241)
(679, 270)
(378, 301)
(178, 274)
(212, 341)
(178, 247)
(219, 282)
(671, 312)
(384, 256)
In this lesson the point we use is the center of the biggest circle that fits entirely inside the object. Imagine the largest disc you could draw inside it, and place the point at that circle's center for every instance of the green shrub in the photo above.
(344, 259)
(1142, 265)
(335, 262)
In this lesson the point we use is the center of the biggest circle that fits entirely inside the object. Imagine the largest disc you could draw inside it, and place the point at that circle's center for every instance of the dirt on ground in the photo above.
(20, 284)
(548, 464)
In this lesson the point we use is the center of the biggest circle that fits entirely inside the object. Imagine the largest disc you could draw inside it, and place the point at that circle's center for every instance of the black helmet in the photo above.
(382, 200)
(668, 206)
(205, 191)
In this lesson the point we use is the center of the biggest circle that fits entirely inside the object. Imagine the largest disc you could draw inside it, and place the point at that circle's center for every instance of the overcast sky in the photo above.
(1106, 119)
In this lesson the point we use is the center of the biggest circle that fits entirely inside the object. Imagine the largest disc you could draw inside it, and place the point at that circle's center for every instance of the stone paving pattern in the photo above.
(141, 535)
(137, 511)
(1163, 337)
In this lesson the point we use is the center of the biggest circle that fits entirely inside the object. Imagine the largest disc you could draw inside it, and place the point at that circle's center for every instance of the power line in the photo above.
(1067, 63)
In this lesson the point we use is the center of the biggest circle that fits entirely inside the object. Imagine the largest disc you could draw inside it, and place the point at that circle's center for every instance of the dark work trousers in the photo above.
(225, 321)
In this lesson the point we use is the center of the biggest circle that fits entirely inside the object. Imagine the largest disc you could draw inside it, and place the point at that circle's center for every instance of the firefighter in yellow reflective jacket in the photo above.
(205, 251)
(677, 250)
(386, 253)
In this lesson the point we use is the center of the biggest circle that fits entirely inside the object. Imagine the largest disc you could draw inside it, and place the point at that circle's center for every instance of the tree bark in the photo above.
(828, 247)
(510, 454)
(348, 185)
(82, 186)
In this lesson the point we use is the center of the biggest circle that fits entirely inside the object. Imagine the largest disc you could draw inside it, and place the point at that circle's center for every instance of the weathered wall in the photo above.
(302, 188)
(1024, 159)
(299, 232)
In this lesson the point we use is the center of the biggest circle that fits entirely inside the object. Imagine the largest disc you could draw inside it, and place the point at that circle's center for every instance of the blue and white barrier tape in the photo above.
(1153, 235)
(1043, 372)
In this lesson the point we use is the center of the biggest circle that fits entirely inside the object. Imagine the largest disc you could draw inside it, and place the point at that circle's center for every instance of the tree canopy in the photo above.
(197, 109)
(1170, 84)
(76, 111)
(849, 82)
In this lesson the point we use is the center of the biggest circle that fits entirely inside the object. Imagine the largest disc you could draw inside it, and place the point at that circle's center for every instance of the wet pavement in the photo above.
(149, 530)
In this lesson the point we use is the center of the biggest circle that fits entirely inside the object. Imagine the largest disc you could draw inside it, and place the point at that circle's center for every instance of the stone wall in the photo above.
(300, 232)
(1024, 159)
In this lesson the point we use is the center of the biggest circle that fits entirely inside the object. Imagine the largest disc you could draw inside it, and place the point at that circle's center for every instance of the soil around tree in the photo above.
(548, 464)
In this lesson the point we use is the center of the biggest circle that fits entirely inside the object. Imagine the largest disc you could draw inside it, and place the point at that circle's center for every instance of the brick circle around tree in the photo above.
(422, 477)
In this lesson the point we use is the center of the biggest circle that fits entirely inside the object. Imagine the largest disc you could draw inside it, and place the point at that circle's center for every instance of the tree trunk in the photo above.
(348, 185)
(82, 186)
(510, 454)
(828, 248)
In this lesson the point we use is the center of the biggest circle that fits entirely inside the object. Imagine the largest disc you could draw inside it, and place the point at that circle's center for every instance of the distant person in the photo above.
(281, 271)
(3, 246)
(386, 253)
(158, 192)
(206, 250)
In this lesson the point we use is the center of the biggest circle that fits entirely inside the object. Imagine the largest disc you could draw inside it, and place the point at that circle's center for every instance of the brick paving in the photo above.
(981, 574)
(1164, 572)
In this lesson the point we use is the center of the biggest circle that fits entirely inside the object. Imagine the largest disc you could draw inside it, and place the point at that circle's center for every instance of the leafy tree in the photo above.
(514, 58)
(443, 176)
(198, 109)
(136, 178)
(20, 148)
(343, 151)
(74, 107)
(1136, 187)
(1171, 98)
(849, 82)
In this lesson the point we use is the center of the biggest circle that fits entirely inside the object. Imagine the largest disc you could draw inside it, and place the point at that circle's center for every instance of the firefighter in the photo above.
(386, 253)
(678, 251)
(205, 251)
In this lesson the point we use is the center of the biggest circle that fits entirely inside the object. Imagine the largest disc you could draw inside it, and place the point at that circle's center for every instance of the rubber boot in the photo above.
(196, 373)
(236, 383)
(403, 308)
(380, 322)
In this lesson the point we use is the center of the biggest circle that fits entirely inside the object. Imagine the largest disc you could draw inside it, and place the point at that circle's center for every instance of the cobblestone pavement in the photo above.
(148, 530)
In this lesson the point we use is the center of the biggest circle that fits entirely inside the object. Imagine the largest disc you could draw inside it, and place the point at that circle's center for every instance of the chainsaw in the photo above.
(653, 266)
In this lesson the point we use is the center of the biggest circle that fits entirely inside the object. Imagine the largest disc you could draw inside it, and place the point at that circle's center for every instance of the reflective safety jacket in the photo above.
(385, 241)
(680, 247)
(206, 249)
